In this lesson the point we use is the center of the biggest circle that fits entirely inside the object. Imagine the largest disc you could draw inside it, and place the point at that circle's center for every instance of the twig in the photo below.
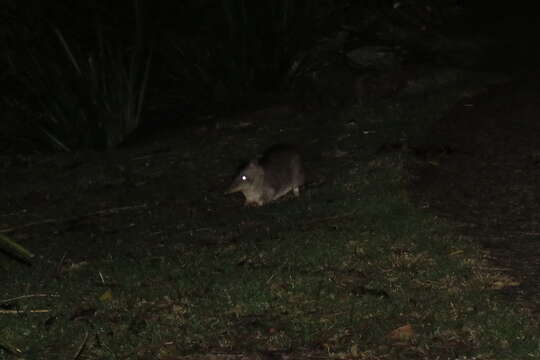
(81, 347)
(528, 233)
(14, 213)
(154, 154)
(9, 347)
(41, 222)
(60, 263)
(328, 218)
(74, 218)
(38, 311)
(7, 301)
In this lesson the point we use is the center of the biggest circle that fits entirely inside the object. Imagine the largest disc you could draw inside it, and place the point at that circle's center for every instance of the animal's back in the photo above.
(283, 170)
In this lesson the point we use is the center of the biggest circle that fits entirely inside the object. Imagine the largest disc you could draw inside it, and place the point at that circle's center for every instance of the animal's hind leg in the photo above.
(296, 191)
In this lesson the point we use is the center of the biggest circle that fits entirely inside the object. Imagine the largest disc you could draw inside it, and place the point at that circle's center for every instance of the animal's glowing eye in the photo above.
(244, 177)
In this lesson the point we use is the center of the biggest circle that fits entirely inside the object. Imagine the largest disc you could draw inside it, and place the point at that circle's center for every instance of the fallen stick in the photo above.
(73, 218)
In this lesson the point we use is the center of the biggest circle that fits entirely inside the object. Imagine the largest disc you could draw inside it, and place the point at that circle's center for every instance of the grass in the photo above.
(352, 269)
(350, 279)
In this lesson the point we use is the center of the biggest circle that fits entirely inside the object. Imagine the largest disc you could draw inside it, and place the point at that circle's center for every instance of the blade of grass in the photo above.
(68, 50)
(11, 246)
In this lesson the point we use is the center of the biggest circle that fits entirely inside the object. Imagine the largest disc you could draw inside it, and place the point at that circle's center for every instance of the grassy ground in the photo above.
(351, 269)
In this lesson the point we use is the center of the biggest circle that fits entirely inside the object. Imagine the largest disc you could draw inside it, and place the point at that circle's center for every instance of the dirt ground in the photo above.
(487, 183)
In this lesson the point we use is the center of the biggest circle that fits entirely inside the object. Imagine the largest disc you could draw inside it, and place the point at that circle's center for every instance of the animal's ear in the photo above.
(253, 163)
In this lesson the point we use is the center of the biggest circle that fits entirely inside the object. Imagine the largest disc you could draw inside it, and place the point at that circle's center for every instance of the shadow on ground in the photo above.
(487, 183)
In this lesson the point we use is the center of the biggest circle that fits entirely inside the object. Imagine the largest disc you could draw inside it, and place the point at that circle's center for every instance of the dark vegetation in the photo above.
(79, 75)
(123, 121)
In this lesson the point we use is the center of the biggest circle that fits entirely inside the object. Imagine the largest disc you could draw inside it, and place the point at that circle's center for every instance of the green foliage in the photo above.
(242, 47)
(79, 90)
(83, 83)
(110, 92)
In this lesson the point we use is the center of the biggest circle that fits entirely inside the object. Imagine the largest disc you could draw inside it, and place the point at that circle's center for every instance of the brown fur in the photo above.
(276, 173)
